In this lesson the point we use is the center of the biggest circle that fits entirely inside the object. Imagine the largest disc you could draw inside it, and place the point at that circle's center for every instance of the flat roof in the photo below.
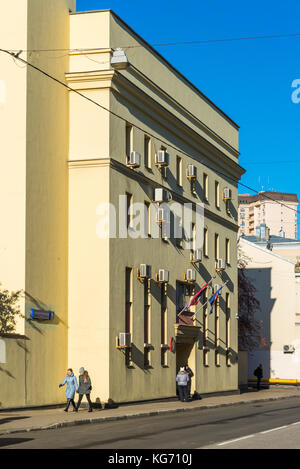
(163, 58)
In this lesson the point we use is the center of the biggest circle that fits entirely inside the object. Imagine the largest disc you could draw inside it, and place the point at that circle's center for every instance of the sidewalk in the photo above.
(42, 419)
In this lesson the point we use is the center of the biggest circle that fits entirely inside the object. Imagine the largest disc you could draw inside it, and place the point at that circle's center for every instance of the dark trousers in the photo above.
(88, 399)
(70, 401)
(258, 383)
(183, 393)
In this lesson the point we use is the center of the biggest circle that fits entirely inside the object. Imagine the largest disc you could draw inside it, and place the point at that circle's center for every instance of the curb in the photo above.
(55, 426)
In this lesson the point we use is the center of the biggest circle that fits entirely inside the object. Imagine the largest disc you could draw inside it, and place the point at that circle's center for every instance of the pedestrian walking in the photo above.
(182, 380)
(72, 386)
(85, 387)
(259, 374)
(191, 374)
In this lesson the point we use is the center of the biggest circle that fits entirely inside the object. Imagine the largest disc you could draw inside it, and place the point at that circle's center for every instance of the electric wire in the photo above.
(51, 77)
(175, 43)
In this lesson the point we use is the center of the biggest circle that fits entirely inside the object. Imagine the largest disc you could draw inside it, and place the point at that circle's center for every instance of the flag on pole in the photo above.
(212, 300)
(196, 298)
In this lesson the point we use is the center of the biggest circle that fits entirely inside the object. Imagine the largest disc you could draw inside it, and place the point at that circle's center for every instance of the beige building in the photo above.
(278, 210)
(67, 161)
(277, 282)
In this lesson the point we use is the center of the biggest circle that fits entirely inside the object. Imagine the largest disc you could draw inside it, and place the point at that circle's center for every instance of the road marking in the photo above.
(274, 429)
(233, 441)
(262, 433)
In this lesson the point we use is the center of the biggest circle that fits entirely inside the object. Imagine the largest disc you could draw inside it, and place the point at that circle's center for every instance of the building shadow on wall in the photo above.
(261, 279)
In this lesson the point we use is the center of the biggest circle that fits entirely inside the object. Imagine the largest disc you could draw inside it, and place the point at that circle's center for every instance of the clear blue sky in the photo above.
(249, 80)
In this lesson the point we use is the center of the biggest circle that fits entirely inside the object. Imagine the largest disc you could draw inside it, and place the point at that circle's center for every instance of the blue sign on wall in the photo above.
(40, 314)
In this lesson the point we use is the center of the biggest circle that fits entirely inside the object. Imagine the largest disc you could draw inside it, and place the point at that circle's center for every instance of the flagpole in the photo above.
(194, 295)
(202, 306)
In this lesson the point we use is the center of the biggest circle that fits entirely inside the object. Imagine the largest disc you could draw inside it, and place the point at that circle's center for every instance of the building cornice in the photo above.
(88, 80)
(183, 110)
(208, 150)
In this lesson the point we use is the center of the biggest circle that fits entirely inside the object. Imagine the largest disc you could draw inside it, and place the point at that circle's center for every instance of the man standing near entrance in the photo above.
(182, 380)
(191, 374)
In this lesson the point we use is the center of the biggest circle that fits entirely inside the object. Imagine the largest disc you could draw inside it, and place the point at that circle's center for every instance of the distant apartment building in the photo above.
(275, 209)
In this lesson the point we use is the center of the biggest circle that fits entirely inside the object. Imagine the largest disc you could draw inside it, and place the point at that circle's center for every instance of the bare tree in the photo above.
(9, 310)
(250, 330)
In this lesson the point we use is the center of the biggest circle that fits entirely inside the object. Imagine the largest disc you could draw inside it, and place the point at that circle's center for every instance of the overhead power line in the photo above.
(51, 77)
(166, 44)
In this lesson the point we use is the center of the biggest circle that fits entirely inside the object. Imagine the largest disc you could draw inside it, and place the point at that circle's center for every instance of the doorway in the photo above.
(185, 353)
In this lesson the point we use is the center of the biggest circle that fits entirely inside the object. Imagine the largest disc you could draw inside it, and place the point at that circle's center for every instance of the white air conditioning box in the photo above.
(191, 172)
(196, 256)
(162, 158)
(134, 160)
(190, 275)
(145, 271)
(288, 349)
(220, 264)
(125, 339)
(162, 195)
(163, 276)
(227, 194)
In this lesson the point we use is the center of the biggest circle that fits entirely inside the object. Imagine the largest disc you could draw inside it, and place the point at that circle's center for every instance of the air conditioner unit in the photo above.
(162, 158)
(134, 160)
(288, 349)
(163, 276)
(42, 315)
(162, 195)
(227, 194)
(190, 275)
(196, 255)
(220, 264)
(124, 339)
(145, 271)
(191, 172)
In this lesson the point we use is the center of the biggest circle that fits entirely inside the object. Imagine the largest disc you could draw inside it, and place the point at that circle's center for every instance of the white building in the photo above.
(277, 282)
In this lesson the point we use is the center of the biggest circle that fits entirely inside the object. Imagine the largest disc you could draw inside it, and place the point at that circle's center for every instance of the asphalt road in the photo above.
(257, 425)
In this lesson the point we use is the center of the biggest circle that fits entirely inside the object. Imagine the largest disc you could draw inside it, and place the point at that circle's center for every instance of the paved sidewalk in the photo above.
(42, 419)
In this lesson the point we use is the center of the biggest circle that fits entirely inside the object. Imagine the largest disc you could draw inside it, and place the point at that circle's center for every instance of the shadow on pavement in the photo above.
(4, 442)
(11, 419)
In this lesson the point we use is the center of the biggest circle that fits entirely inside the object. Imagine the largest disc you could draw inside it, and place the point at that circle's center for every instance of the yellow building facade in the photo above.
(66, 159)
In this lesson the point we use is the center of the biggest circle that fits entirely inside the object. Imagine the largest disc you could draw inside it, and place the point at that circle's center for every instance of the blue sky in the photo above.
(249, 80)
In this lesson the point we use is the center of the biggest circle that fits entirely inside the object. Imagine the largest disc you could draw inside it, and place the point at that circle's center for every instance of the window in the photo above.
(217, 194)
(227, 316)
(164, 168)
(179, 171)
(129, 132)
(147, 220)
(147, 152)
(147, 306)
(205, 330)
(217, 246)
(217, 333)
(205, 187)
(129, 200)
(227, 251)
(205, 242)
(128, 300)
(163, 324)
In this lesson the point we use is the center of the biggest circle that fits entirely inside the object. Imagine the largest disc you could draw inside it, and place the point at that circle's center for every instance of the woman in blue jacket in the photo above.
(72, 386)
